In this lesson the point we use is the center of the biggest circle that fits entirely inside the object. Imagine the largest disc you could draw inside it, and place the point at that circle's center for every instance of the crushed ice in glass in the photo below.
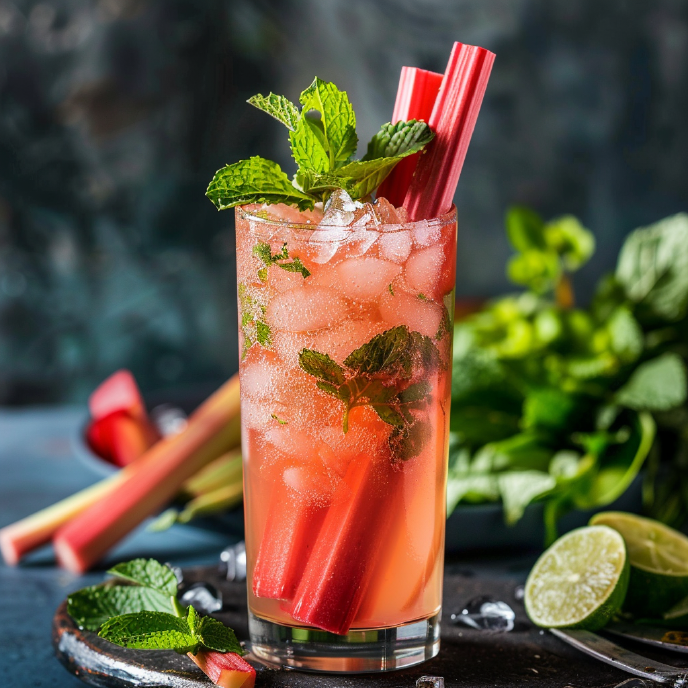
(340, 209)
(168, 419)
(486, 614)
(233, 562)
(430, 682)
(204, 597)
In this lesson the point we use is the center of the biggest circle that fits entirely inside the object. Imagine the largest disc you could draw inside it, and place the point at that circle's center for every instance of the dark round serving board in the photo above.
(468, 658)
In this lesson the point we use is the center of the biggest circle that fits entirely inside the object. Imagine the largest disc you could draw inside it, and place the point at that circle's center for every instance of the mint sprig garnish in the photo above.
(139, 609)
(323, 142)
(378, 374)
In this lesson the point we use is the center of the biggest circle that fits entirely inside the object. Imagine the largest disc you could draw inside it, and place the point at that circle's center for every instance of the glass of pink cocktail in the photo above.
(345, 389)
(345, 314)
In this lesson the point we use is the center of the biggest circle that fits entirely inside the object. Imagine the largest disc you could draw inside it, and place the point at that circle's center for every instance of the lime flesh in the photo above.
(659, 562)
(580, 581)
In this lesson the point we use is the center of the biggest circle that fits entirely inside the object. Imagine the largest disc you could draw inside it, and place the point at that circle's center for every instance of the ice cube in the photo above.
(204, 597)
(288, 345)
(425, 234)
(306, 308)
(340, 209)
(395, 246)
(423, 270)
(233, 562)
(260, 372)
(364, 279)
(486, 614)
(430, 682)
(385, 212)
(407, 309)
(359, 241)
(283, 280)
(323, 244)
(312, 482)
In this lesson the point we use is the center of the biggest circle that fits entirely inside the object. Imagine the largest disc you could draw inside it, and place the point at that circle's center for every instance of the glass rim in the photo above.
(447, 218)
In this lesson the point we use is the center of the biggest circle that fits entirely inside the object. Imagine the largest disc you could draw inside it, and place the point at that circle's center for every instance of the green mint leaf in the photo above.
(216, 636)
(321, 366)
(150, 631)
(407, 441)
(387, 352)
(390, 289)
(525, 229)
(320, 184)
(656, 385)
(193, 619)
(278, 419)
(402, 138)
(653, 268)
(519, 488)
(263, 333)
(337, 120)
(253, 326)
(262, 251)
(92, 607)
(295, 266)
(625, 334)
(308, 148)
(255, 180)
(149, 573)
(364, 176)
(279, 107)
(569, 239)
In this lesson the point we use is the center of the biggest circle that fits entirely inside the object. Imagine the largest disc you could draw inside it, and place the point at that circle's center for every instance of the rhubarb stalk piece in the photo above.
(152, 481)
(291, 531)
(22, 537)
(225, 669)
(339, 569)
(453, 119)
(416, 97)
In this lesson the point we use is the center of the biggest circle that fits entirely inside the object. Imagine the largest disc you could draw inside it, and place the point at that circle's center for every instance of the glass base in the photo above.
(360, 651)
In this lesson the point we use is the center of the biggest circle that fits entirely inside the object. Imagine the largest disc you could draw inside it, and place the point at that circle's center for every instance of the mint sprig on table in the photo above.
(139, 609)
(378, 375)
(323, 146)
(565, 405)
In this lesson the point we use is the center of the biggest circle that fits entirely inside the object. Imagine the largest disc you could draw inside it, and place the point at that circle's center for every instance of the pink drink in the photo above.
(345, 340)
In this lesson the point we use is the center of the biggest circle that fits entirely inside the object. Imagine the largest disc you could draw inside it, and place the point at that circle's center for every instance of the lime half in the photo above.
(659, 562)
(580, 581)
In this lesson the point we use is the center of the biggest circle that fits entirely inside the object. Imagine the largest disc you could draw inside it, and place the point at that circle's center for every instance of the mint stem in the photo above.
(179, 610)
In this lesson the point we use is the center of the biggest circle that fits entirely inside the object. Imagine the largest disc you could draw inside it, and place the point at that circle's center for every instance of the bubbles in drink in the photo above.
(365, 278)
(306, 308)
(423, 270)
(395, 246)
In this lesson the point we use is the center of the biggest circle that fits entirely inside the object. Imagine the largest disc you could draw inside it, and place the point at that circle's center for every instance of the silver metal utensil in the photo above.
(667, 639)
(609, 652)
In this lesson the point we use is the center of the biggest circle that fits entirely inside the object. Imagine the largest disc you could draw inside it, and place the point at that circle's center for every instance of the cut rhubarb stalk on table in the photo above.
(152, 481)
(416, 97)
(339, 570)
(225, 669)
(453, 119)
(118, 393)
(290, 534)
(22, 537)
(121, 437)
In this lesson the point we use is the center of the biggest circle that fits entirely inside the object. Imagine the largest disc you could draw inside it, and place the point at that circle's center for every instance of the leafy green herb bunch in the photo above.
(564, 405)
(323, 142)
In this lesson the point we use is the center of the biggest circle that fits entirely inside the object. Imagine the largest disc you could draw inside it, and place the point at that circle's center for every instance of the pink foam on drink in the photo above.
(423, 271)
(395, 246)
(407, 309)
(364, 279)
(306, 308)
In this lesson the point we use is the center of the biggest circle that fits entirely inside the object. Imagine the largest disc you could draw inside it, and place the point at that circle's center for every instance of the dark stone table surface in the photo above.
(38, 465)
